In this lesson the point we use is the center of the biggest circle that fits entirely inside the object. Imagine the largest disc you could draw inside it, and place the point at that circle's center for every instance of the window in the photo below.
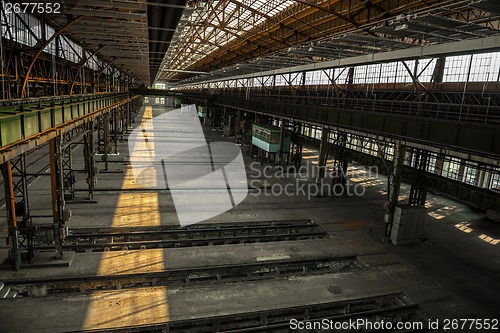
(340, 75)
(360, 74)
(402, 74)
(280, 80)
(318, 77)
(456, 68)
(388, 72)
(426, 69)
(485, 67)
(432, 163)
(495, 180)
(470, 173)
(451, 168)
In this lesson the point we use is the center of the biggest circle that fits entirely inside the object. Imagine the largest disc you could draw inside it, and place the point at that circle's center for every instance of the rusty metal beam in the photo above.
(57, 191)
(47, 42)
(10, 207)
(81, 66)
(337, 14)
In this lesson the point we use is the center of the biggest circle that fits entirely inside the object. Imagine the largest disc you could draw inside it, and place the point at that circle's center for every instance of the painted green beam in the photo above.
(24, 126)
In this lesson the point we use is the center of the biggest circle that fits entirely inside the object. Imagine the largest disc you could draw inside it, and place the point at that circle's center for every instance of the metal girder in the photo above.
(394, 186)
(57, 192)
(460, 136)
(103, 137)
(301, 23)
(89, 157)
(268, 17)
(10, 207)
(83, 108)
(166, 5)
(103, 13)
(109, 23)
(418, 190)
(133, 5)
(474, 196)
(333, 12)
(472, 46)
(81, 66)
(24, 221)
(42, 47)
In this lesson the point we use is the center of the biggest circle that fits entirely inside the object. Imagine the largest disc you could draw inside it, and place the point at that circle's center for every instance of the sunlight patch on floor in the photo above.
(490, 240)
(130, 307)
(367, 181)
(134, 261)
(442, 212)
(464, 227)
(403, 197)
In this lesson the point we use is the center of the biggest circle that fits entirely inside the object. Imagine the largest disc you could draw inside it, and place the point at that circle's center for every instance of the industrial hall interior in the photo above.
(250, 166)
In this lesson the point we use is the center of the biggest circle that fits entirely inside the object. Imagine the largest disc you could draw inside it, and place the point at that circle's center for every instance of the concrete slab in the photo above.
(130, 307)
(49, 260)
(158, 260)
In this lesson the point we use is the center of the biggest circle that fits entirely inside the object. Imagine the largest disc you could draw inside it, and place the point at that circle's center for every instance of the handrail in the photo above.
(468, 113)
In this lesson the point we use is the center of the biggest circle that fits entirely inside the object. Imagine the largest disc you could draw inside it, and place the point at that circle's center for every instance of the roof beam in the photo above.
(339, 15)
(486, 44)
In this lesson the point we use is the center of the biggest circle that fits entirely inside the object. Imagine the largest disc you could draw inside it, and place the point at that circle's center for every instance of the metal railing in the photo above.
(460, 112)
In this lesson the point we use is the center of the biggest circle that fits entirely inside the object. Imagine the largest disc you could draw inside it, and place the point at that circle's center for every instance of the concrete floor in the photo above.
(459, 259)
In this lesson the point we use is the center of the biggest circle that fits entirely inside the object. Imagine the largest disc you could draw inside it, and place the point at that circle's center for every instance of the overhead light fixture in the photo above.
(182, 71)
(401, 27)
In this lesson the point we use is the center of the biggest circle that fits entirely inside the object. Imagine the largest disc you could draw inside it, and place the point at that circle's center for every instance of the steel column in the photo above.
(68, 173)
(58, 204)
(106, 139)
(341, 163)
(115, 131)
(89, 157)
(282, 139)
(323, 153)
(418, 191)
(394, 186)
(25, 228)
(10, 206)
(2, 73)
(103, 137)
(296, 150)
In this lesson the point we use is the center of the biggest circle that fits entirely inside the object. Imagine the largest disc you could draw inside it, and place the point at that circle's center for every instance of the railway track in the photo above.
(390, 308)
(121, 238)
(186, 276)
